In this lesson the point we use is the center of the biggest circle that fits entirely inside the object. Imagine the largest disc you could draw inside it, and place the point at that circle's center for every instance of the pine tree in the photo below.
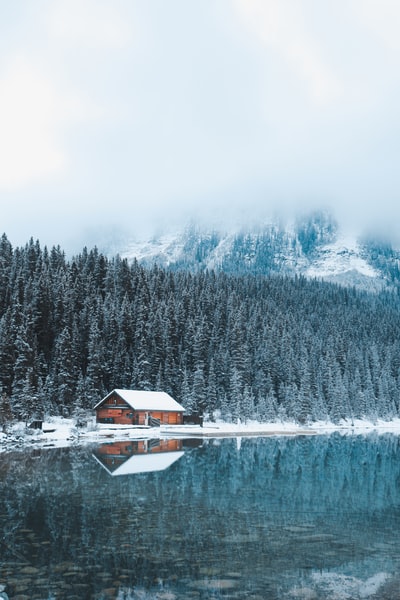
(7, 351)
(64, 375)
(94, 373)
(212, 392)
(6, 415)
(23, 383)
(199, 392)
(6, 257)
(247, 408)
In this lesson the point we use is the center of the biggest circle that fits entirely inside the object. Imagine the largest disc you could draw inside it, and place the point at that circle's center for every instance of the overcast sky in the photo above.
(135, 113)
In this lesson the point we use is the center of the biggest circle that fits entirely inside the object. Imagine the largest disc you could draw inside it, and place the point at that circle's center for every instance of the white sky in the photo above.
(134, 113)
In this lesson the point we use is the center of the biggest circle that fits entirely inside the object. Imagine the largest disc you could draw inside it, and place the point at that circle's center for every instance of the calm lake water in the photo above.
(252, 518)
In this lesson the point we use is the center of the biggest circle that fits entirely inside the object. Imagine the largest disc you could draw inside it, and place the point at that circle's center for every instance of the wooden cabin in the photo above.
(131, 407)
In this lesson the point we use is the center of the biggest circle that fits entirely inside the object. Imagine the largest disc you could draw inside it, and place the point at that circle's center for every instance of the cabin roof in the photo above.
(145, 400)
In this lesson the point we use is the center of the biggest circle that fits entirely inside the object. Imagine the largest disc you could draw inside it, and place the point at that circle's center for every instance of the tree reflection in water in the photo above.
(272, 518)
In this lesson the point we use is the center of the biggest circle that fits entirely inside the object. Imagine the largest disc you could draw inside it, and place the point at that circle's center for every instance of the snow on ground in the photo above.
(59, 432)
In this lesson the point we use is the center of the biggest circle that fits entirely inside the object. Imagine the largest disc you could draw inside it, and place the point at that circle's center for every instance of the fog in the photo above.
(126, 118)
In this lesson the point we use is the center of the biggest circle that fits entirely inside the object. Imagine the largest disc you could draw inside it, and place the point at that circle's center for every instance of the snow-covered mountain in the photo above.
(313, 246)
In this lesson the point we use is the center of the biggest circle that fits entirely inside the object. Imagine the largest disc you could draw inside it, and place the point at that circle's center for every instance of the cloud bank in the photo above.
(135, 115)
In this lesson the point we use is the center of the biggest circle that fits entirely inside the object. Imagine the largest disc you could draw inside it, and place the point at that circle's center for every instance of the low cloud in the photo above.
(90, 23)
(28, 113)
(33, 113)
(381, 18)
(145, 113)
(280, 26)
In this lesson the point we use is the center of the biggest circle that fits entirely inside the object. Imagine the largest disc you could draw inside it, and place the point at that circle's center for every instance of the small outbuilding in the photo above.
(132, 407)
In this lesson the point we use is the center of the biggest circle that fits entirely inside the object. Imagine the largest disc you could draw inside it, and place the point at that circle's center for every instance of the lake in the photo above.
(307, 517)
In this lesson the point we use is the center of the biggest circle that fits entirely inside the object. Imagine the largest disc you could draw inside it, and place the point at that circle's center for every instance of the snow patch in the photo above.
(164, 250)
(339, 257)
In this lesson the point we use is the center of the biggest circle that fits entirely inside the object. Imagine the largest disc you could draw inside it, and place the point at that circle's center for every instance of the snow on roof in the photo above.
(146, 400)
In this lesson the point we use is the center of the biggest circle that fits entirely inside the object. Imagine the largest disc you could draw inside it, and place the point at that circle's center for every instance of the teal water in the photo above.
(252, 518)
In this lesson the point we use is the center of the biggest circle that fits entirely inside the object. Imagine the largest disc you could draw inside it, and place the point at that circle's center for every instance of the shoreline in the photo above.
(60, 432)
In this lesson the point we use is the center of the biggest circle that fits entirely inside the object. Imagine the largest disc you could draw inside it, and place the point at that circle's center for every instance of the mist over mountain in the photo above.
(314, 245)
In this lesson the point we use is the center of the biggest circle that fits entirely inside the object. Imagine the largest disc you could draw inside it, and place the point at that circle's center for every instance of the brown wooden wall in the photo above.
(167, 418)
(122, 414)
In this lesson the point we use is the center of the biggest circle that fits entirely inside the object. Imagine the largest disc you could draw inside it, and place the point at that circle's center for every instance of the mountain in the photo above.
(313, 246)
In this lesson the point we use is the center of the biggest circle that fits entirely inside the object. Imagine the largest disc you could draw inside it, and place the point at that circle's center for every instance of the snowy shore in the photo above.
(59, 432)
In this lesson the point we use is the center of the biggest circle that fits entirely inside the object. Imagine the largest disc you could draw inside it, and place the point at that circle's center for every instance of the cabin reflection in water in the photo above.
(138, 456)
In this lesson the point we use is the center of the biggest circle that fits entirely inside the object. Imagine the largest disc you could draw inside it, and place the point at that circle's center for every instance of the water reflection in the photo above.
(130, 457)
(270, 518)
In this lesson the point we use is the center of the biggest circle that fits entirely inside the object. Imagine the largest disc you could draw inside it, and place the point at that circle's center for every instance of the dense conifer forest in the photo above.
(247, 346)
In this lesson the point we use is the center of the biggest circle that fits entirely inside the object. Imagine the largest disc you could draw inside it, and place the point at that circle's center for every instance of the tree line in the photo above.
(241, 346)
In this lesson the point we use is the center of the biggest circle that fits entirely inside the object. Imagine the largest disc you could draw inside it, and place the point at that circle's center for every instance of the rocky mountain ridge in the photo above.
(314, 247)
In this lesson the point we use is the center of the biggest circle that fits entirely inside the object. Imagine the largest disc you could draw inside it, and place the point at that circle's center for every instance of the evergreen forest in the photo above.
(240, 346)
